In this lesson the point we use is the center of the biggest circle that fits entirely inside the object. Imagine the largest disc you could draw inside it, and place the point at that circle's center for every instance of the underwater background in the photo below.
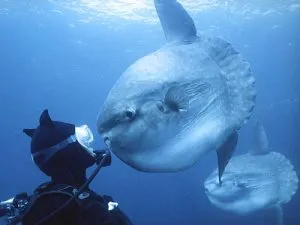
(66, 55)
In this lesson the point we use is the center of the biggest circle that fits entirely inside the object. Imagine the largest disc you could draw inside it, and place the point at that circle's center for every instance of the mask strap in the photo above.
(47, 153)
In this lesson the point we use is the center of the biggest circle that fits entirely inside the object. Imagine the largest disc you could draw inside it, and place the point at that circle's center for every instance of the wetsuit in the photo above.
(89, 208)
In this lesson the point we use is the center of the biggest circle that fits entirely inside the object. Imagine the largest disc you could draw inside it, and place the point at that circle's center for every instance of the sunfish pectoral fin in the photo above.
(175, 21)
(225, 153)
(179, 96)
(176, 99)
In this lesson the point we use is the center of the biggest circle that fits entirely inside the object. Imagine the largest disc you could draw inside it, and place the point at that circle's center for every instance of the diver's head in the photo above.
(59, 147)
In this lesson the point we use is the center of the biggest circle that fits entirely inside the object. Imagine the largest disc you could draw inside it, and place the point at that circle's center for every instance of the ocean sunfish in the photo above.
(257, 180)
(174, 105)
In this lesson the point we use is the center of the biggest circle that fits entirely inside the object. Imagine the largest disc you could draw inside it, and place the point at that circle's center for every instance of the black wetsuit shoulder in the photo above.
(89, 209)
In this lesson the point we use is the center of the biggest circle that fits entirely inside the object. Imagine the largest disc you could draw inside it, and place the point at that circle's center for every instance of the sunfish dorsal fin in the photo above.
(175, 21)
(261, 143)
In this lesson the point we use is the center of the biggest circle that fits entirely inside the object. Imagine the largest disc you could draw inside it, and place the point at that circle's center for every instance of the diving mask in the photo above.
(83, 135)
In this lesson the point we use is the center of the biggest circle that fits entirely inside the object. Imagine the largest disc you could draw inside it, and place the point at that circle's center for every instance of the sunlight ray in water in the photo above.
(143, 10)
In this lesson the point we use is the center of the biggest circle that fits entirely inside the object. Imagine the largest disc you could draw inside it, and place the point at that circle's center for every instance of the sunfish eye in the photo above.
(235, 183)
(238, 183)
(130, 113)
(241, 185)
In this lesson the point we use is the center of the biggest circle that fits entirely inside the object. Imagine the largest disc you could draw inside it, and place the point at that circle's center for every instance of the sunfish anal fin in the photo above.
(175, 21)
(225, 153)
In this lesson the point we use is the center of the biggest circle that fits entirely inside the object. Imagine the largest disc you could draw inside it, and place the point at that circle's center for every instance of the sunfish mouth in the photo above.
(107, 142)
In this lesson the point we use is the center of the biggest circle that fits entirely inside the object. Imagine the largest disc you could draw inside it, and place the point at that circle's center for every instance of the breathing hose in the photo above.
(79, 191)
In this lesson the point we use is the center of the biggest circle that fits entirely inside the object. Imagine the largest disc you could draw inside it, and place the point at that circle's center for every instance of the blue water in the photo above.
(49, 59)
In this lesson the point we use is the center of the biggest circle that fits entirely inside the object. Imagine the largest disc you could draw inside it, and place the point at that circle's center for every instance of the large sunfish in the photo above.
(174, 105)
(254, 181)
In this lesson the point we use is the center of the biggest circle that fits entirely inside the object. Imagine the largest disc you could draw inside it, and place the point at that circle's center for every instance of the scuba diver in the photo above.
(62, 151)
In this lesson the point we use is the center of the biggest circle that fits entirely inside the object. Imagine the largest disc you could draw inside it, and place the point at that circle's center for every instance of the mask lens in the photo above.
(84, 136)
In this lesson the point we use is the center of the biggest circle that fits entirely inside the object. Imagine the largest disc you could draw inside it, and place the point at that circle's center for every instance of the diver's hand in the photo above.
(5, 207)
(20, 198)
(100, 154)
(3, 211)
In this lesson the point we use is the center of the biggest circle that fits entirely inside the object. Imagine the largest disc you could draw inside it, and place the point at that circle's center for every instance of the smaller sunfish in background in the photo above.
(257, 180)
